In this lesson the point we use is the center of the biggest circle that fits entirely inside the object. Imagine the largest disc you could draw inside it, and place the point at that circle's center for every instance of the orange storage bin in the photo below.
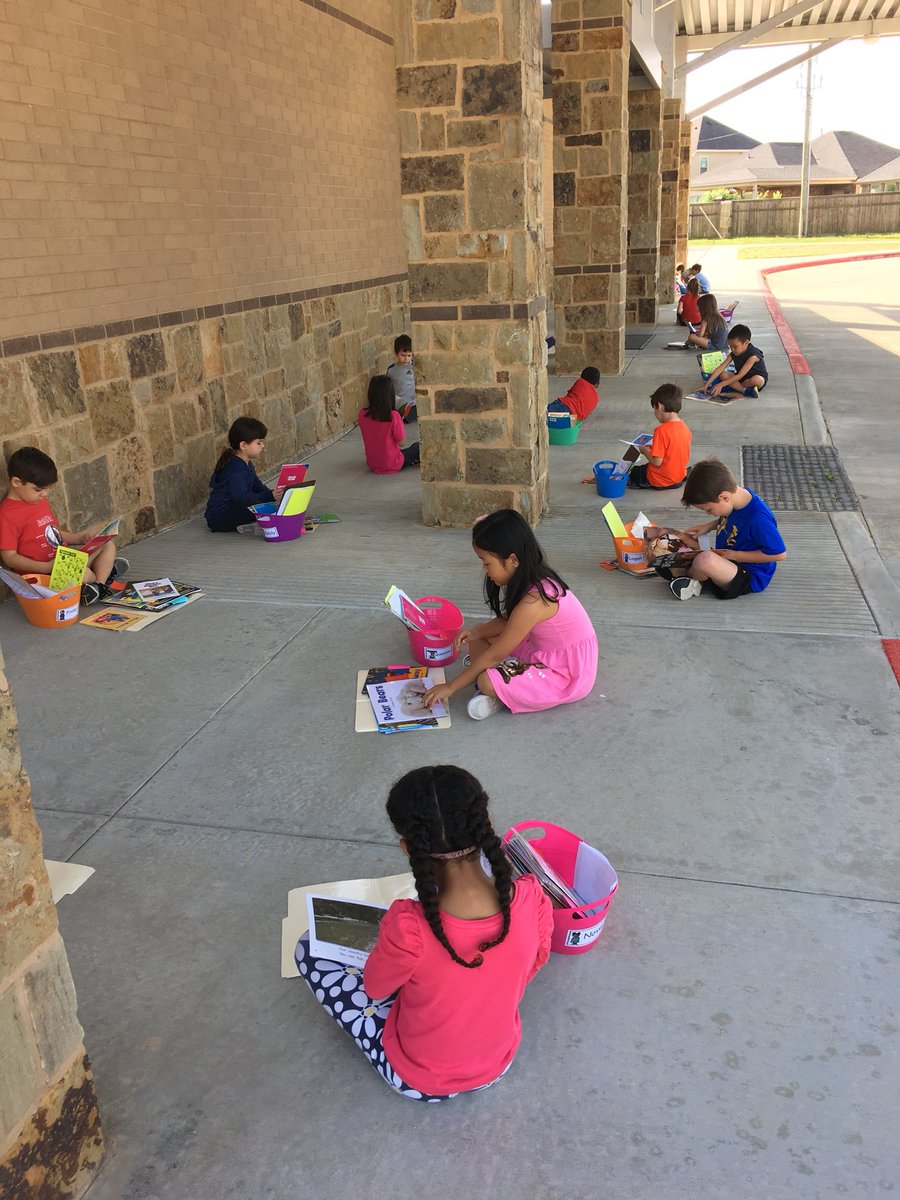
(51, 612)
(630, 552)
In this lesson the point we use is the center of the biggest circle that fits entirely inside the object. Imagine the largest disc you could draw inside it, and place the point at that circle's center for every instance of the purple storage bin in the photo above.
(281, 529)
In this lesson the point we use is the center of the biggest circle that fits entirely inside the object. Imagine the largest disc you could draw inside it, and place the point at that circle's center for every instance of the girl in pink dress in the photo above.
(540, 649)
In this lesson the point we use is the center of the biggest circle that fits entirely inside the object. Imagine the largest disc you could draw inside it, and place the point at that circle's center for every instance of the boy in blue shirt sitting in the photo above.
(748, 544)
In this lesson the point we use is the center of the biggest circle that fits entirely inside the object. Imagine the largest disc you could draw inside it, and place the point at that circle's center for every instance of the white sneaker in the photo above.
(252, 530)
(683, 587)
(481, 706)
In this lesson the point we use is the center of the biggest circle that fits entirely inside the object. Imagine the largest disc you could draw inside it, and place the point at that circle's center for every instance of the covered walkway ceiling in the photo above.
(704, 24)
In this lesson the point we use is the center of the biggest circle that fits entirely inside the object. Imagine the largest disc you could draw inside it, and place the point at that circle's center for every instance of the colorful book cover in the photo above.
(154, 590)
(404, 609)
(69, 566)
(391, 675)
(129, 599)
(117, 621)
(296, 500)
(292, 474)
(104, 535)
(400, 704)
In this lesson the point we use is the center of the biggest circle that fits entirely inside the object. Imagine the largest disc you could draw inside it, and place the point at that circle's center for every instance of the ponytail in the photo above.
(244, 429)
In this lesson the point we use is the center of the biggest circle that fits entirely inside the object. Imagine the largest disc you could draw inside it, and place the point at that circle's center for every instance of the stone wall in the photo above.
(668, 214)
(683, 204)
(135, 413)
(50, 1138)
(644, 150)
(470, 101)
(589, 57)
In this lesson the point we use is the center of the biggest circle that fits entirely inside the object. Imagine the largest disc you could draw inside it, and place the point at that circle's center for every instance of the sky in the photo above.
(850, 78)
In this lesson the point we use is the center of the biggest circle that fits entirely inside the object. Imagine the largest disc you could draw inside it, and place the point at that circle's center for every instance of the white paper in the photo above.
(21, 586)
(639, 524)
(374, 891)
(157, 589)
(707, 541)
(65, 877)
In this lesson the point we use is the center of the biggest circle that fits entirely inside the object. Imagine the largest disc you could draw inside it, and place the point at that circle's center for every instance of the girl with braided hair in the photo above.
(453, 964)
(540, 650)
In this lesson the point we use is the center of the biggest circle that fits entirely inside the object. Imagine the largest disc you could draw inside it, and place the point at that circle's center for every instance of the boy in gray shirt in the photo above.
(403, 378)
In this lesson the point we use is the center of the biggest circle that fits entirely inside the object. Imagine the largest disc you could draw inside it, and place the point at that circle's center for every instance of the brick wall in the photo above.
(50, 1140)
(200, 217)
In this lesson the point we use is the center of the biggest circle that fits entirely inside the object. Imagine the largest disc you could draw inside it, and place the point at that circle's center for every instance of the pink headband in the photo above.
(454, 853)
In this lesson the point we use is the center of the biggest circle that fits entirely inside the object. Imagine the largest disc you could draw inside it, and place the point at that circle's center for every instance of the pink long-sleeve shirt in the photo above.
(453, 1028)
(382, 441)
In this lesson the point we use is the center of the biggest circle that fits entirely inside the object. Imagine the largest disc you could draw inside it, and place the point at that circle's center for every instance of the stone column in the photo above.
(50, 1140)
(469, 91)
(591, 40)
(668, 212)
(684, 194)
(644, 181)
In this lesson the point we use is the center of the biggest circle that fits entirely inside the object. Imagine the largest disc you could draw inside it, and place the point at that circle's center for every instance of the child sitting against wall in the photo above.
(403, 378)
(382, 431)
(234, 484)
(668, 454)
(29, 534)
(581, 398)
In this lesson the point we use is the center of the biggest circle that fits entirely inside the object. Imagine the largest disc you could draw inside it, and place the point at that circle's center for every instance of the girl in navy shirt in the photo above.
(234, 483)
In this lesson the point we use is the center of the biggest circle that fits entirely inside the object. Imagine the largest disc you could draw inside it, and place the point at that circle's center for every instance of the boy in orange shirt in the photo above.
(29, 535)
(667, 455)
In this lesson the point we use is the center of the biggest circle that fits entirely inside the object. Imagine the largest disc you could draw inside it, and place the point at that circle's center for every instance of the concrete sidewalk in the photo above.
(732, 1031)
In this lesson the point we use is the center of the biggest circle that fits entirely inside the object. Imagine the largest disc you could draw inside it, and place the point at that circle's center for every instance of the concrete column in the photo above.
(683, 211)
(470, 93)
(50, 1140)
(668, 210)
(591, 40)
(644, 182)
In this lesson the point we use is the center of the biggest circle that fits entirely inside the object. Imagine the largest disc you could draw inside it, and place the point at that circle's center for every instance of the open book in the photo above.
(343, 930)
(104, 535)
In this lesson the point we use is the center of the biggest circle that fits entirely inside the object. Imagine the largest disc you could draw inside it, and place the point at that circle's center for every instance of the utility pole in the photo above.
(804, 166)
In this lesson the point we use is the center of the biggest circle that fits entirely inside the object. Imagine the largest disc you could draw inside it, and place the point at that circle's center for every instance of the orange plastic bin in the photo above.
(51, 612)
(630, 552)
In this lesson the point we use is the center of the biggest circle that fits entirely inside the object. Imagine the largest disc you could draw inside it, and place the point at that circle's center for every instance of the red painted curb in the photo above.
(796, 358)
(892, 650)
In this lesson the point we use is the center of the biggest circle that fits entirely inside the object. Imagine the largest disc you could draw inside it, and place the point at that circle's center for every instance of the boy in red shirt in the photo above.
(581, 398)
(667, 455)
(29, 535)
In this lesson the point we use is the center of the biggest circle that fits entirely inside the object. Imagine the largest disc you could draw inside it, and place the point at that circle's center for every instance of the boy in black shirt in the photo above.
(751, 375)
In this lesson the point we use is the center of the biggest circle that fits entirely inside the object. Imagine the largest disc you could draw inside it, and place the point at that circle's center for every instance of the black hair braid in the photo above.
(423, 869)
(488, 842)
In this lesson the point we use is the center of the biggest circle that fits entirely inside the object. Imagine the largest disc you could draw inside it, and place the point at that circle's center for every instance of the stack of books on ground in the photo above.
(133, 606)
(392, 700)
(525, 860)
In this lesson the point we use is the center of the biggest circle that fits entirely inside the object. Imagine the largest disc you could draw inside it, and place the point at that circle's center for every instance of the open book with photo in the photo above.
(400, 704)
(372, 719)
(342, 930)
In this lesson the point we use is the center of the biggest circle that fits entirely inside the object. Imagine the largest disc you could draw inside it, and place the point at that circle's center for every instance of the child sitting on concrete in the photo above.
(748, 543)
(713, 331)
(581, 398)
(668, 454)
(382, 431)
(29, 535)
(687, 312)
(403, 379)
(234, 484)
(750, 373)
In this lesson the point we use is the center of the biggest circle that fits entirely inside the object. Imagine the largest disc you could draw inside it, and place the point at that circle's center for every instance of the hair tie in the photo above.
(454, 853)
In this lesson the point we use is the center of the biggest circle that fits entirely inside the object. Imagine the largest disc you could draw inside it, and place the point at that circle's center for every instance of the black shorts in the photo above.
(739, 586)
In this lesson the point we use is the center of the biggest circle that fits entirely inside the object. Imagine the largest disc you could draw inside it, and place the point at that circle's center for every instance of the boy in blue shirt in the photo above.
(748, 544)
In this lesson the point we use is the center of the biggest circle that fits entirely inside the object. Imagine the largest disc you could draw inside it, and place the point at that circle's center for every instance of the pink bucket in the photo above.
(585, 870)
(433, 643)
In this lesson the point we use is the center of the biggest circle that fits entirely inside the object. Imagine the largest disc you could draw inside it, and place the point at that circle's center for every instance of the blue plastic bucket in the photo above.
(607, 486)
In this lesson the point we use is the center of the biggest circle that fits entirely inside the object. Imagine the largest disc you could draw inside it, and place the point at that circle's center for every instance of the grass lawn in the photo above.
(821, 247)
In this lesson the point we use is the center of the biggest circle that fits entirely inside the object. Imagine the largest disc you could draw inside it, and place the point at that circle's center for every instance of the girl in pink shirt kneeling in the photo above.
(453, 965)
(383, 432)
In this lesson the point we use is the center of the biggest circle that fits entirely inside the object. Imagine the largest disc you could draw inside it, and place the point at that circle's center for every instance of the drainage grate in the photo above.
(799, 478)
(637, 341)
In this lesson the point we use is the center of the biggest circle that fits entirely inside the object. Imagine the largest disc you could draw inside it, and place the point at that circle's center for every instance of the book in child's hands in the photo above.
(292, 474)
(402, 607)
(343, 931)
(69, 566)
(104, 535)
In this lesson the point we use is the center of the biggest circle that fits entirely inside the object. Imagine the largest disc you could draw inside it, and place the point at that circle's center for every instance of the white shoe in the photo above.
(683, 587)
(481, 706)
(252, 530)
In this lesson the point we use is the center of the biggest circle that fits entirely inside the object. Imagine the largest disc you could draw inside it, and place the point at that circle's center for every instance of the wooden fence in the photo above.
(829, 216)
